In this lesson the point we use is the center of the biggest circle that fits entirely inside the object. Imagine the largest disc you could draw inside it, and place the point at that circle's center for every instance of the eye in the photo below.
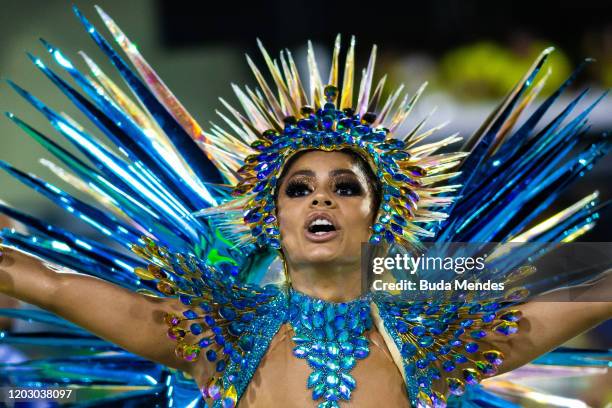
(348, 188)
(296, 188)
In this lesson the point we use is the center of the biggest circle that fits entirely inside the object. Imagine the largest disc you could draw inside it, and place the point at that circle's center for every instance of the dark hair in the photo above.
(371, 179)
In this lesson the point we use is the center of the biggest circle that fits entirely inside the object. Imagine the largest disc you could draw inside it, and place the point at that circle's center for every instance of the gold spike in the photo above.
(265, 109)
(389, 104)
(429, 148)
(274, 104)
(434, 179)
(283, 92)
(255, 115)
(373, 104)
(347, 81)
(416, 139)
(333, 71)
(292, 83)
(511, 121)
(419, 125)
(316, 87)
(248, 129)
(555, 219)
(473, 140)
(578, 233)
(366, 83)
(296, 75)
(405, 109)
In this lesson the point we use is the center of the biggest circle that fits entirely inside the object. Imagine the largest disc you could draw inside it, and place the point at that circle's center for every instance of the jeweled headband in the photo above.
(278, 125)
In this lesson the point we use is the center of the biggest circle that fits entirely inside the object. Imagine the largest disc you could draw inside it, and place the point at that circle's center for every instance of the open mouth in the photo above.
(320, 227)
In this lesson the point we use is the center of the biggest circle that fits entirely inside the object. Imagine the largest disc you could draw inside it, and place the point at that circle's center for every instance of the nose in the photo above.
(322, 199)
(325, 202)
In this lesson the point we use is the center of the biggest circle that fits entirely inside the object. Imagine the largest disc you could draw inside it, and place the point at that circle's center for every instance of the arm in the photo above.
(547, 324)
(130, 320)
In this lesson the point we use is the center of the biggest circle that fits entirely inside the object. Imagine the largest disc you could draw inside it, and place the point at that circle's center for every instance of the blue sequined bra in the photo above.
(231, 325)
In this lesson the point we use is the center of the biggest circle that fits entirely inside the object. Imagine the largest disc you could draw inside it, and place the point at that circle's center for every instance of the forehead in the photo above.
(321, 161)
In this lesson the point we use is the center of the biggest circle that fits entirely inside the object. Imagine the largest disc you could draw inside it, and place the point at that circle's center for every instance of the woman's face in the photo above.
(324, 209)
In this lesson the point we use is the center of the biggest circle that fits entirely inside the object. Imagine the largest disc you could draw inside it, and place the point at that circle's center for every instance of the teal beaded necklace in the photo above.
(330, 337)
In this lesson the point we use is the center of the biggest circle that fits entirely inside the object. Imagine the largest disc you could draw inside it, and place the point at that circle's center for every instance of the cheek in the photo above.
(361, 217)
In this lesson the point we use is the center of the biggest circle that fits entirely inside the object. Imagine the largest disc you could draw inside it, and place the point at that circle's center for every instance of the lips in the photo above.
(320, 227)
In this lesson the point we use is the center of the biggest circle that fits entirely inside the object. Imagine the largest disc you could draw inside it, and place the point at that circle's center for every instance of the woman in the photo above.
(315, 176)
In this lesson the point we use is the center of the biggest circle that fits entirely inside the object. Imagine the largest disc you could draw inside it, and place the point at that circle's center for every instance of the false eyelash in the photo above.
(296, 186)
(349, 182)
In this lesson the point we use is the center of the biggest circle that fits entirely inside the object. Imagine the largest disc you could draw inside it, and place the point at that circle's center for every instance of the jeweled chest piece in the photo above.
(330, 337)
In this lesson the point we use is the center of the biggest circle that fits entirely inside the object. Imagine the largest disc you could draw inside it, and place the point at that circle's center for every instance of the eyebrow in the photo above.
(332, 173)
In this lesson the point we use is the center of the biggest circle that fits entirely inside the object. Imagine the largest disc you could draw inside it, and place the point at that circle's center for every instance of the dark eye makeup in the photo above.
(298, 188)
(344, 185)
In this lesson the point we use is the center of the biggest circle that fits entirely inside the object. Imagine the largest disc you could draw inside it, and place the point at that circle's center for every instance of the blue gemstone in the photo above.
(418, 331)
(204, 343)
(471, 347)
(426, 341)
(460, 358)
(389, 237)
(318, 320)
(316, 362)
(478, 334)
(408, 350)
(401, 326)
(348, 380)
(221, 365)
(318, 391)
(339, 322)
(378, 228)
(345, 391)
(361, 352)
(196, 329)
(190, 314)
(347, 348)
(314, 378)
(211, 355)
(317, 347)
(448, 365)
(422, 363)
(444, 349)
(375, 239)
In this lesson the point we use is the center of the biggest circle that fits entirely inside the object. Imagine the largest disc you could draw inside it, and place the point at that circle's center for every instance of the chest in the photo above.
(281, 379)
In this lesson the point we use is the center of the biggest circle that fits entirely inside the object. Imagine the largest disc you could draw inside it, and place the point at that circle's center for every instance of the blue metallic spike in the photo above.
(62, 254)
(126, 202)
(42, 316)
(99, 220)
(508, 201)
(62, 339)
(478, 153)
(87, 247)
(205, 170)
(124, 133)
(103, 158)
(547, 144)
(549, 189)
(141, 181)
(514, 142)
(566, 356)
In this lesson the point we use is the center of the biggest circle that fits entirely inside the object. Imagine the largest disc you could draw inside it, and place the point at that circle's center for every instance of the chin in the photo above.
(322, 253)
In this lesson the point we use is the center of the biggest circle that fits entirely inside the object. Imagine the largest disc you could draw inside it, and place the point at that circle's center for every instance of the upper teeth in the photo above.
(320, 221)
